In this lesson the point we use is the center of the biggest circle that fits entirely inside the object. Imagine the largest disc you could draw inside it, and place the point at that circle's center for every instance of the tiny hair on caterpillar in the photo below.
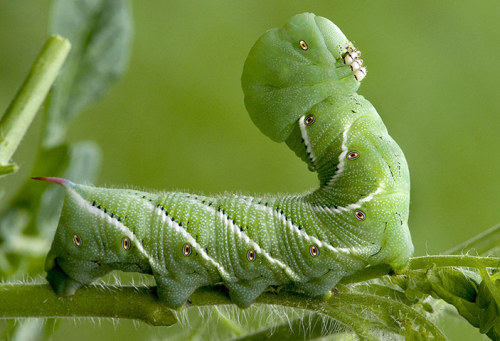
(300, 83)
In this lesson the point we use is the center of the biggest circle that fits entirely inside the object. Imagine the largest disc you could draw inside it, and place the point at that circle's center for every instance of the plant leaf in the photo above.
(100, 32)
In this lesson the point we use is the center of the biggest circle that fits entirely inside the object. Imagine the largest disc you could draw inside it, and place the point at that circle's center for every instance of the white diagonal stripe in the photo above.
(236, 229)
(302, 233)
(305, 137)
(294, 228)
(114, 222)
(174, 225)
(342, 155)
(356, 205)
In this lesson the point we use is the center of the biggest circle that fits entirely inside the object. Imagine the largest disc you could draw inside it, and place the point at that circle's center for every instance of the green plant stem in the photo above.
(8, 169)
(490, 285)
(452, 260)
(368, 273)
(392, 307)
(229, 323)
(482, 243)
(362, 330)
(24, 300)
(25, 105)
(296, 330)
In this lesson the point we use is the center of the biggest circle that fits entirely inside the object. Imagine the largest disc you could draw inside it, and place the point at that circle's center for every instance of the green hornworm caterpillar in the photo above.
(300, 84)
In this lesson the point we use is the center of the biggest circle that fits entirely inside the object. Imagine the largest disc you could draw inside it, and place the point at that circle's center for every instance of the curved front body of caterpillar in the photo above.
(300, 84)
(298, 89)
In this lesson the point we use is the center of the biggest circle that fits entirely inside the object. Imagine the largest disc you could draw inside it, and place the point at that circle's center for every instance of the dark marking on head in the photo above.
(400, 220)
(376, 253)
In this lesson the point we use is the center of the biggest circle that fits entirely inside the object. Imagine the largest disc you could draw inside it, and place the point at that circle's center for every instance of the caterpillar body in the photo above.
(300, 84)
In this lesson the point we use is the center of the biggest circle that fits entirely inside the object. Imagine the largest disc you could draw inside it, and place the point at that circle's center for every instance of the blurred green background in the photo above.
(176, 120)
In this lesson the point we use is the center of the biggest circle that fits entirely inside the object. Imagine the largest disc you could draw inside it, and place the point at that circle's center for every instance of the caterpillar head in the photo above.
(292, 68)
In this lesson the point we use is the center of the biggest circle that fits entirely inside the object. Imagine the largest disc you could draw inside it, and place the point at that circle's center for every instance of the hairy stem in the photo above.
(362, 330)
(393, 307)
(452, 260)
(296, 330)
(24, 300)
(24, 106)
(368, 273)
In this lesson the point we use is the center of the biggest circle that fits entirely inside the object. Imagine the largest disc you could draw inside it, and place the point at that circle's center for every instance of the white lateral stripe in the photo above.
(305, 137)
(294, 228)
(290, 225)
(368, 198)
(225, 275)
(353, 206)
(256, 246)
(312, 239)
(340, 165)
(114, 222)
